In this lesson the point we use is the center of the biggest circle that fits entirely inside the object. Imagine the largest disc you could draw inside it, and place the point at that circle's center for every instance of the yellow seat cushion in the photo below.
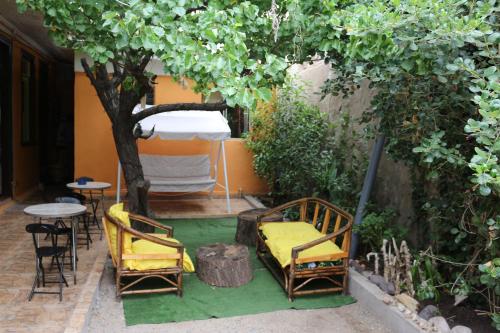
(146, 247)
(116, 211)
(281, 237)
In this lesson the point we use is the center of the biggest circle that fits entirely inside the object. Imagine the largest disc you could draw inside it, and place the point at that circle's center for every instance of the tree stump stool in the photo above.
(223, 265)
(246, 230)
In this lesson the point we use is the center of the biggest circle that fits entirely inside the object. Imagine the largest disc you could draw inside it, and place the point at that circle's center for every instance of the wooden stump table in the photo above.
(223, 265)
(246, 230)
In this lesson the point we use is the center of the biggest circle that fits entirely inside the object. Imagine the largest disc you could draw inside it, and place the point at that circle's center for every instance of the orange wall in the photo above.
(95, 153)
(25, 164)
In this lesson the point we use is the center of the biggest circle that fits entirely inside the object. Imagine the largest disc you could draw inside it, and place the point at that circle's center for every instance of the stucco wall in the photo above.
(95, 153)
(393, 183)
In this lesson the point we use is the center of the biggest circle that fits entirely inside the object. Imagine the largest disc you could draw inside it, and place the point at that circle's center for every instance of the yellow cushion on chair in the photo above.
(146, 247)
(283, 236)
(116, 211)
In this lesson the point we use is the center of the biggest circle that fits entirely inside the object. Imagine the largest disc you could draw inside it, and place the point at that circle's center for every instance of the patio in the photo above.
(44, 312)
(85, 309)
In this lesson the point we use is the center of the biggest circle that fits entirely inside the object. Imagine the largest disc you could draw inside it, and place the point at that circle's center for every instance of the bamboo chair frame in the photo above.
(171, 275)
(290, 275)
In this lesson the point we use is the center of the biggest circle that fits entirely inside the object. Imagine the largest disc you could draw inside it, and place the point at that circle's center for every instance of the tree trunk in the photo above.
(118, 104)
(137, 186)
(224, 265)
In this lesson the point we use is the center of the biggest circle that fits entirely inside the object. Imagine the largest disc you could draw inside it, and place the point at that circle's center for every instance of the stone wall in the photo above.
(393, 183)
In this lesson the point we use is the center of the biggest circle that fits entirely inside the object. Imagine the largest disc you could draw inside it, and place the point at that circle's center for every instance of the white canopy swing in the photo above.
(183, 174)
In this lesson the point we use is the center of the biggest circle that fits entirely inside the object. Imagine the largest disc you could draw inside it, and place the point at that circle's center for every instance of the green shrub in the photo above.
(426, 278)
(379, 226)
(490, 277)
(299, 152)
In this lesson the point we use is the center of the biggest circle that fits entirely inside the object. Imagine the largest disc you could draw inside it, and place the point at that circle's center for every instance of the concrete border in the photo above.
(80, 315)
(372, 298)
(254, 201)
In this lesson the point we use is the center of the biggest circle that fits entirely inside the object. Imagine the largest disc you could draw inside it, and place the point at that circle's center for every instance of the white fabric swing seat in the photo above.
(177, 173)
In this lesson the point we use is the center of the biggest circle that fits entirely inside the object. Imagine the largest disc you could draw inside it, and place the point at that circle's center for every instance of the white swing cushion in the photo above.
(177, 173)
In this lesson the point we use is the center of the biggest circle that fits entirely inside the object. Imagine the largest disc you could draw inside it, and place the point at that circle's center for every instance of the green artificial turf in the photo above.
(201, 301)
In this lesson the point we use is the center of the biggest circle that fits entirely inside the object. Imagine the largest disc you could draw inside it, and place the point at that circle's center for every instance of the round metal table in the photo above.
(90, 187)
(59, 210)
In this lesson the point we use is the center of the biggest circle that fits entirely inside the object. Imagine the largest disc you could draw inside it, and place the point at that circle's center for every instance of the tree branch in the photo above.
(192, 10)
(144, 62)
(177, 107)
(100, 82)
(88, 71)
(118, 74)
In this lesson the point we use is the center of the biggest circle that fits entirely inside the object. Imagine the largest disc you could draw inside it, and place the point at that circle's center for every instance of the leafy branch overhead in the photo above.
(230, 47)
(449, 42)
(209, 42)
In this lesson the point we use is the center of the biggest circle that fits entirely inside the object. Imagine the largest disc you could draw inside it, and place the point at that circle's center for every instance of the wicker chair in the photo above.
(314, 259)
(126, 277)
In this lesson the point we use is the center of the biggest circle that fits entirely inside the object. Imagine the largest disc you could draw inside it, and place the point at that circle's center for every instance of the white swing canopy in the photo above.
(188, 125)
(185, 173)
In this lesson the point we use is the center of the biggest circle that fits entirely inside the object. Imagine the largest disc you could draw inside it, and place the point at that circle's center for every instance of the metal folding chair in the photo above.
(53, 250)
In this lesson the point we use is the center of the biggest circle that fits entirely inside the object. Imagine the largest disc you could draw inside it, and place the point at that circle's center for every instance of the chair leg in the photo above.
(69, 245)
(118, 284)
(62, 279)
(95, 208)
(60, 266)
(36, 282)
(291, 281)
(42, 270)
(85, 220)
(179, 284)
(60, 223)
(345, 283)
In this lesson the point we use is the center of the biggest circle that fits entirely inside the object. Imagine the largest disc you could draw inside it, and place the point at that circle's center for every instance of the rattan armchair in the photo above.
(123, 257)
(306, 274)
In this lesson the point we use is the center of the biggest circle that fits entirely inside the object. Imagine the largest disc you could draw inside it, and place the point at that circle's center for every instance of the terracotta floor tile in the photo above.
(17, 270)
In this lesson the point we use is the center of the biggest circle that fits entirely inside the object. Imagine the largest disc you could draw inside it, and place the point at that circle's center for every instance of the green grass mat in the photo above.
(201, 301)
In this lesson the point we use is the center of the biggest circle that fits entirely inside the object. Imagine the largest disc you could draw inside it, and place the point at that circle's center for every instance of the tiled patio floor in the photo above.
(196, 207)
(17, 269)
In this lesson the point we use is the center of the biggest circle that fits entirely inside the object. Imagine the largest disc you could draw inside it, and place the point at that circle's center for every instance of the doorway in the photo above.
(5, 119)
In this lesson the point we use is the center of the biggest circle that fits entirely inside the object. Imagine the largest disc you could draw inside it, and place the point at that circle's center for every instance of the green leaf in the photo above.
(159, 31)
(490, 71)
(264, 94)
(442, 79)
(484, 190)
(179, 11)
(407, 65)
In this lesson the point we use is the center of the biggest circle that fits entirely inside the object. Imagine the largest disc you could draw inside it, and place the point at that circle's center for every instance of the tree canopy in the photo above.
(221, 45)
(229, 46)
(449, 40)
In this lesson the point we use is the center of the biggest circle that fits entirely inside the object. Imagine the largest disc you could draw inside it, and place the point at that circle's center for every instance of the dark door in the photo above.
(45, 123)
(5, 120)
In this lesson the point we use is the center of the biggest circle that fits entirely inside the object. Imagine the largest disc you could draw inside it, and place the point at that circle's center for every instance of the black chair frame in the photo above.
(53, 251)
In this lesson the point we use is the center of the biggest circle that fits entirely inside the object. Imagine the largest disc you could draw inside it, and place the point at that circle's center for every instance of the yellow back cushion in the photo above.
(283, 236)
(289, 230)
(116, 211)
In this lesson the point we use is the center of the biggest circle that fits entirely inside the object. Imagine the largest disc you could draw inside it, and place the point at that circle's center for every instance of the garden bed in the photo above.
(462, 315)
